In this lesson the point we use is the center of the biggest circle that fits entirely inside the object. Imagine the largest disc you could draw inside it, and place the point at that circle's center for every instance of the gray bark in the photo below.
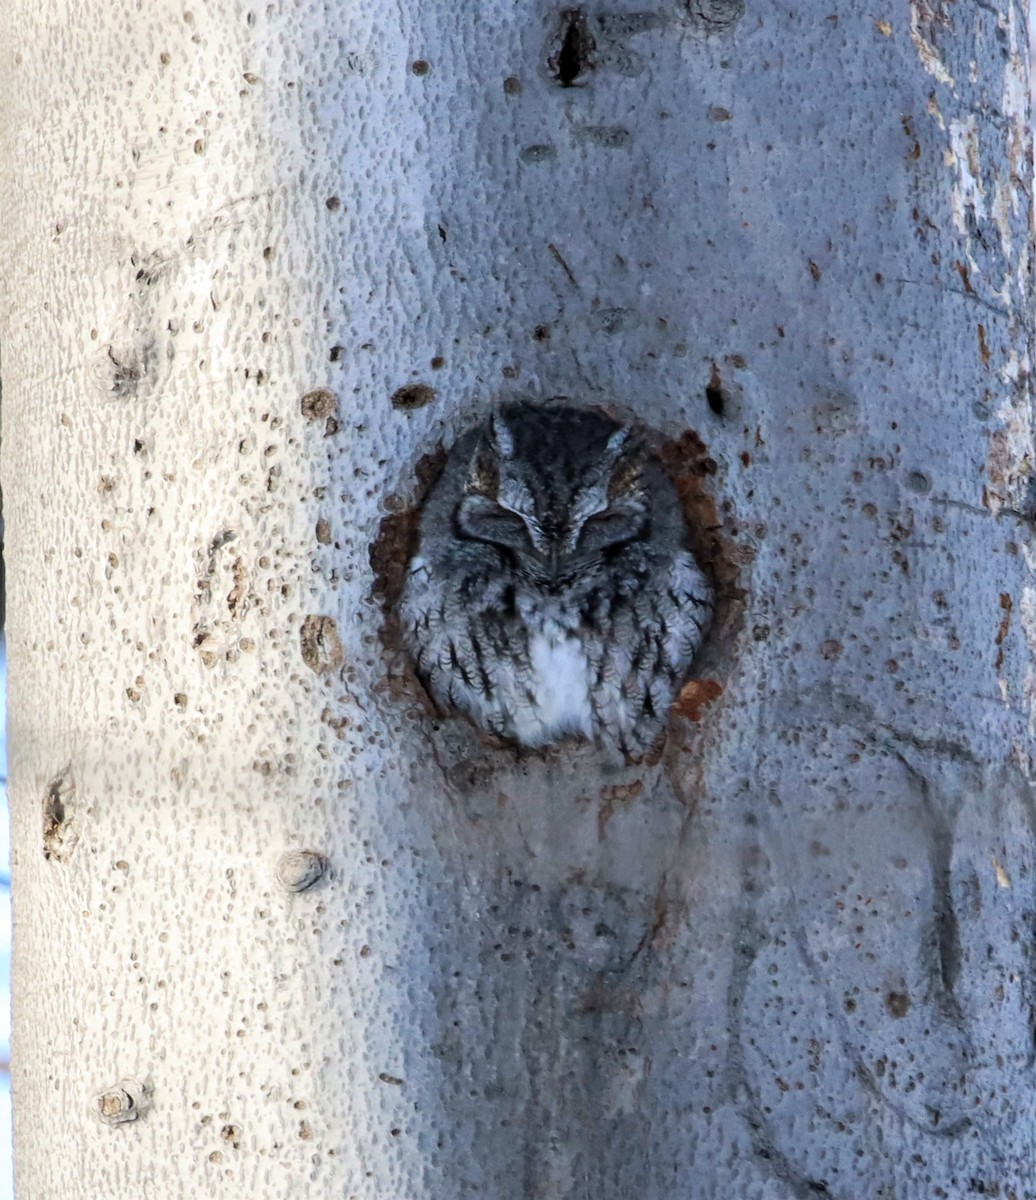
(792, 958)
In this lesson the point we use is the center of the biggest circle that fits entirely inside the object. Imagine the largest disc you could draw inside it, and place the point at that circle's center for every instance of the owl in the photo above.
(552, 593)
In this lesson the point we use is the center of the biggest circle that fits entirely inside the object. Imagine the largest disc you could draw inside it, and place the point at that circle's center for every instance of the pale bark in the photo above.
(258, 262)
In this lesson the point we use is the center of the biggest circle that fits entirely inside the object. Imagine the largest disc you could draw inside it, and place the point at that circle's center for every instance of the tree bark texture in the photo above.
(283, 930)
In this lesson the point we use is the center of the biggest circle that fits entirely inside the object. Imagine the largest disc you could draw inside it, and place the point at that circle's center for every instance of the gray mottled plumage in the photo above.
(552, 593)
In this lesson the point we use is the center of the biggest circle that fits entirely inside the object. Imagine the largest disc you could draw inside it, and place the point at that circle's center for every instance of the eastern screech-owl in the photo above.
(552, 593)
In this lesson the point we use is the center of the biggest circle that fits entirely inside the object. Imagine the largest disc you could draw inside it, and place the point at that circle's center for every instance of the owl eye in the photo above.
(612, 527)
(486, 521)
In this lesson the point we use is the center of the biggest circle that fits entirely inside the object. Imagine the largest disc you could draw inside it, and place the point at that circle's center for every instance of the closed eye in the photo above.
(501, 525)
(610, 528)
(486, 521)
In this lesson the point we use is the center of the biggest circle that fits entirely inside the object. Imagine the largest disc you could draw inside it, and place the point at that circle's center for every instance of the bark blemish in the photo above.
(390, 553)
(613, 796)
(541, 152)
(412, 395)
(925, 21)
(897, 1004)
(716, 395)
(983, 345)
(715, 16)
(694, 696)
(299, 870)
(126, 369)
(943, 953)
(396, 542)
(125, 1101)
(321, 644)
(689, 465)
(321, 405)
(60, 833)
(611, 137)
(572, 59)
(555, 253)
(947, 931)
(1006, 607)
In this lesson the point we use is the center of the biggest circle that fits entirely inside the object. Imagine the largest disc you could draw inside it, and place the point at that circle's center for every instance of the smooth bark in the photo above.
(259, 263)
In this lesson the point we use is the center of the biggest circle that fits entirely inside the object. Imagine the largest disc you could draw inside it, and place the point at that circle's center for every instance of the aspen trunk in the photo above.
(280, 930)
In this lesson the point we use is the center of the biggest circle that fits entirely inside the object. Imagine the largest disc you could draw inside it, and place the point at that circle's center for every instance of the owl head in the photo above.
(558, 489)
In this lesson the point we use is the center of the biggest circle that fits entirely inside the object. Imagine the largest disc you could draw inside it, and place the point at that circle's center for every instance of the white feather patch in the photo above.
(558, 682)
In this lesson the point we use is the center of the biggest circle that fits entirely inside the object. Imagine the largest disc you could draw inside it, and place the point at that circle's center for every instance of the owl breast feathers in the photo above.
(552, 593)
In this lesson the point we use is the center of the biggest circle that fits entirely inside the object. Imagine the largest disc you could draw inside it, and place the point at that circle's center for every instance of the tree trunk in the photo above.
(282, 930)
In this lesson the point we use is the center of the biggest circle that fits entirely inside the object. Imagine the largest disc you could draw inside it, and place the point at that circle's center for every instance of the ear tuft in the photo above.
(625, 454)
(502, 438)
(617, 441)
(484, 473)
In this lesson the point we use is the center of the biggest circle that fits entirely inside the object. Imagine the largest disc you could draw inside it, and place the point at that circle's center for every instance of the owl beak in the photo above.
(556, 571)
(551, 563)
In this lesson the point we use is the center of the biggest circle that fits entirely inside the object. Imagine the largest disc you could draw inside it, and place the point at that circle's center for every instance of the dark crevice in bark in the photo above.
(574, 56)
(942, 962)
(773, 1161)
(864, 1075)
(716, 395)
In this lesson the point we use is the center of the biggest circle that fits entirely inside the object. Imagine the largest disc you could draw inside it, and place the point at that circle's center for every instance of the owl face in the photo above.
(584, 500)
(551, 593)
